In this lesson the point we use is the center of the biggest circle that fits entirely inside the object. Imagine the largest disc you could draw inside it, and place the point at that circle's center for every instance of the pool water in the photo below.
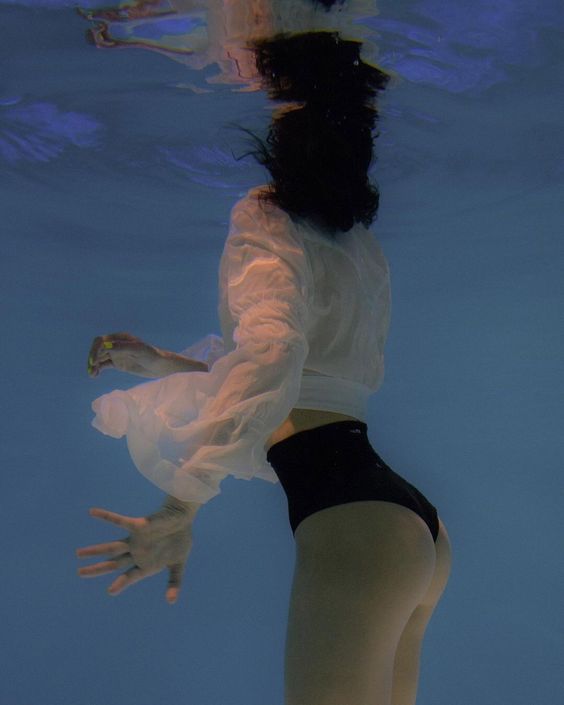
(120, 164)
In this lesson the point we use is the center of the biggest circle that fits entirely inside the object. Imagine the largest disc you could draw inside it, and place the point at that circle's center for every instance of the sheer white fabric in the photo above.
(186, 432)
(291, 302)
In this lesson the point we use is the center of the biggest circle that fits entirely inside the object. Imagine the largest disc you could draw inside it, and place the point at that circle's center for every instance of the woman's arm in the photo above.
(127, 353)
(187, 433)
(185, 512)
(170, 362)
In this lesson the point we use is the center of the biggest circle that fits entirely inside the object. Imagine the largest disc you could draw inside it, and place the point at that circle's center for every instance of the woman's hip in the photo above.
(335, 465)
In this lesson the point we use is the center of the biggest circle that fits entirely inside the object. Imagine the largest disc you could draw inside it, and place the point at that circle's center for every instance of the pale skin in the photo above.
(162, 540)
(154, 543)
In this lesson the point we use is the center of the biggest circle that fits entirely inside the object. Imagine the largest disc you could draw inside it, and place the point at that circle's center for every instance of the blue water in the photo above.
(119, 173)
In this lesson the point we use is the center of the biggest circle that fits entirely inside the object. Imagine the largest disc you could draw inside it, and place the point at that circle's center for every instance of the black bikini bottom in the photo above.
(335, 464)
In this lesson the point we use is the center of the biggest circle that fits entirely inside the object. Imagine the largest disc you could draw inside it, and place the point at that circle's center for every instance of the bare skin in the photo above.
(128, 353)
(160, 541)
(303, 420)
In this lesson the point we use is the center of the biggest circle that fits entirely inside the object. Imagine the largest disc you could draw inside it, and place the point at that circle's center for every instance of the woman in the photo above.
(304, 310)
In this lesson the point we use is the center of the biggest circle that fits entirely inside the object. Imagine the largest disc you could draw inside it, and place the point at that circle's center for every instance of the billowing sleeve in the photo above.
(207, 349)
(188, 431)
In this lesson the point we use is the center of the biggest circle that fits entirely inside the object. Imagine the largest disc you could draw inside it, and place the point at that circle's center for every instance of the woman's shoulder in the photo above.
(269, 216)
(254, 219)
(258, 207)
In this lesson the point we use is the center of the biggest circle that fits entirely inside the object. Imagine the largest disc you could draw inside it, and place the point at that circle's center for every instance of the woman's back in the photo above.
(349, 296)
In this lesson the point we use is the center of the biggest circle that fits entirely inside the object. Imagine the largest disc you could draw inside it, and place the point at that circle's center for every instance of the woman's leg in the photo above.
(406, 666)
(361, 570)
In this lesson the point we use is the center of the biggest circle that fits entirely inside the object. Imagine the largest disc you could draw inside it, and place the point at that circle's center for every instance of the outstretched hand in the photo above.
(125, 352)
(162, 540)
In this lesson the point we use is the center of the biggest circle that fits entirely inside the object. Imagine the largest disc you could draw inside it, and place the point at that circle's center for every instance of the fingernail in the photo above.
(108, 346)
(90, 360)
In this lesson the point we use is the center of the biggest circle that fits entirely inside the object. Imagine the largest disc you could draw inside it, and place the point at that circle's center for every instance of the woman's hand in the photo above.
(124, 352)
(161, 540)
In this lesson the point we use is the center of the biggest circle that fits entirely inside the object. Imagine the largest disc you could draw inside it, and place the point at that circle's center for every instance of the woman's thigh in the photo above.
(406, 665)
(361, 570)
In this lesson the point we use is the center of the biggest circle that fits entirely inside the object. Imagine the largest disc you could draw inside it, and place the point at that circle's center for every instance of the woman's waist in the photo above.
(304, 420)
(323, 400)
(333, 394)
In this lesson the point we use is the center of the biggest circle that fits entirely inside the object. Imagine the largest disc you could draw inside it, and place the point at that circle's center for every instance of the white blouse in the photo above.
(304, 320)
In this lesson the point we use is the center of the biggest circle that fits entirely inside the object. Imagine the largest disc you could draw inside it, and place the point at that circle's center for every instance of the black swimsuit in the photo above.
(335, 464)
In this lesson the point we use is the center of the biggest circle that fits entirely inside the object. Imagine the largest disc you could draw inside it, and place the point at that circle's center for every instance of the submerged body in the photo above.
(372, 561)
(304, 318)
(304, 322)
(367, 579)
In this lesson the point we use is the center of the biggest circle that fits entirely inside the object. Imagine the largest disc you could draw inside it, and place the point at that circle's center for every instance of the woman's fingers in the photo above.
(133, 575)
(94, 349)
(94, 370)
(101, 345)
(116, 350)
(172, 595)
(104, 567)
(127, 523)
(174, 582)
(113, 548)
(98, 355)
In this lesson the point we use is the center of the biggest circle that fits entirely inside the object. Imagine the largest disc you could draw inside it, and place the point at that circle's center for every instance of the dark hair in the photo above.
(326, 3)
(319, 150)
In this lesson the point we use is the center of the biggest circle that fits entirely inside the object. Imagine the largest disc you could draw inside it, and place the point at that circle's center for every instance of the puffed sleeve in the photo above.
(188, 431)
(209, 349)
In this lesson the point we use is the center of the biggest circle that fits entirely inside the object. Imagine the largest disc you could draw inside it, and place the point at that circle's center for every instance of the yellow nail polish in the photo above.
(108, 346)
(90, 360)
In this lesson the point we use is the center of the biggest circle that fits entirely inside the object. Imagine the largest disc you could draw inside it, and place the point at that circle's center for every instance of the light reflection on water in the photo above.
(454, 49)
(155, 95)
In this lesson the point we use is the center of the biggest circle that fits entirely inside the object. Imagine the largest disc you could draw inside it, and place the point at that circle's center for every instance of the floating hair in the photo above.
(319, 149)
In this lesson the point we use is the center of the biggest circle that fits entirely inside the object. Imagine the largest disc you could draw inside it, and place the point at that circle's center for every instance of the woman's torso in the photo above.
(349, 309)
(306, 419)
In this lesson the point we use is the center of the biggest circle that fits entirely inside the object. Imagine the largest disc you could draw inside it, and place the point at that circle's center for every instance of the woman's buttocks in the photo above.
(334, 464)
